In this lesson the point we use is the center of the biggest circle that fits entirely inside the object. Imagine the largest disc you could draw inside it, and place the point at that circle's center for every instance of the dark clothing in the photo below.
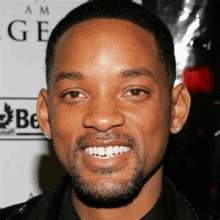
(55, 204)
(67, 212)
(159, 212)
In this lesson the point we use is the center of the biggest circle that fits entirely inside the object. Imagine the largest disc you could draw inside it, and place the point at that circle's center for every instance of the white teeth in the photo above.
(95, 150)
(90, 150)
(121, 150)
(109, 151)
(115, 150)
(101, 151)
(106, 152)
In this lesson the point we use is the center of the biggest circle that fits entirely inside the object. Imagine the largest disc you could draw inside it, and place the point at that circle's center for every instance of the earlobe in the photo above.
(43, 113)
(181, 101)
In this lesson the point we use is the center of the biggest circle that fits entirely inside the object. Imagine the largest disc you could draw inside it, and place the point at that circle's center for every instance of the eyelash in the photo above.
(140, 90)
(133, 96)
(69, 93)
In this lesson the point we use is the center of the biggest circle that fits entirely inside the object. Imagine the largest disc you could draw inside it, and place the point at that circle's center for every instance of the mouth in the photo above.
(105, 153)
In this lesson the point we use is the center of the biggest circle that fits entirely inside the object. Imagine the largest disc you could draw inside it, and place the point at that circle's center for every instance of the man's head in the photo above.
(109, 109)
(123, 10)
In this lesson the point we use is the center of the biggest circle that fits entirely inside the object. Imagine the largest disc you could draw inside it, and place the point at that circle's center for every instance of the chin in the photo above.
(107, 193)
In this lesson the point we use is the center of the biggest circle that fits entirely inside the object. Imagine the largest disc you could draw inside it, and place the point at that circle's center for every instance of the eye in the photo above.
(137, 94)
(74, 95)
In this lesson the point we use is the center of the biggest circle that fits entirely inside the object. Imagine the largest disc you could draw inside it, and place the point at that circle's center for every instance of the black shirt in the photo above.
(158, 212)
(56, 204)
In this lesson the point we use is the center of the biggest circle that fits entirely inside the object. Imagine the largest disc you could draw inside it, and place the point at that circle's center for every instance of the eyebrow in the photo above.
(69, 75)
(130, 73)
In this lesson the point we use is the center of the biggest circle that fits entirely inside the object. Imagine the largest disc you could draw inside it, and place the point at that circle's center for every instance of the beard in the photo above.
(108, 193)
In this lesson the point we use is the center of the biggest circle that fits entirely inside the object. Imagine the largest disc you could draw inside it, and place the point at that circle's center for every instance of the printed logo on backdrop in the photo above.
(18, 119)
(20, 29)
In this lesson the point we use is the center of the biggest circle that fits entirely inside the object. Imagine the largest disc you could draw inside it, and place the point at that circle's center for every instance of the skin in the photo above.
(122, 88)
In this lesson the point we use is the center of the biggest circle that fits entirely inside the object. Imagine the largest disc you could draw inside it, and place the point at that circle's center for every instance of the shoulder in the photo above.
(46, 204)
(179, 207)
(19, 209)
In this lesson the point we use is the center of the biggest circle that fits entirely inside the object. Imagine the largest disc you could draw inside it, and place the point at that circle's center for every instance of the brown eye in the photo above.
(135, 92)
(74, 94)
(137, 95)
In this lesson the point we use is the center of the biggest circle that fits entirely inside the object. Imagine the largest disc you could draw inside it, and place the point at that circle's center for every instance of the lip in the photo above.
(93, 163)
(114, 162)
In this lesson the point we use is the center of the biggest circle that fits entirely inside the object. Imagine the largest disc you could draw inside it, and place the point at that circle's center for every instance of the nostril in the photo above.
(103, 121)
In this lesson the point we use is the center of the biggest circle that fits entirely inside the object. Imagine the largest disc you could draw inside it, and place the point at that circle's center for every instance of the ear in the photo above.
(181, 101)
(43, 113)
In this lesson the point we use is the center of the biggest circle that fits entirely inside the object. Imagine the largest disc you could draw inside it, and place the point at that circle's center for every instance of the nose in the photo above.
(103, 117)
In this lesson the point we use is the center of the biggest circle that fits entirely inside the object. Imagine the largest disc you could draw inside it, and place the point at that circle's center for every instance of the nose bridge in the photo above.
(105, 103)
(104, 114)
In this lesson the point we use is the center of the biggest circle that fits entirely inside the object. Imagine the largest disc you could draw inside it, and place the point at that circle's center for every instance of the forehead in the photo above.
(106, 44)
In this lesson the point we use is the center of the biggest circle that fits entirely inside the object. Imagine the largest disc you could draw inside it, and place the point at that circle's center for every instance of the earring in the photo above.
(46, 134)
(177, 128)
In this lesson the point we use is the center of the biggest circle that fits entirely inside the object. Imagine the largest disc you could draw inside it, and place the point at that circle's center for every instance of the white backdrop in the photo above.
(24, 28)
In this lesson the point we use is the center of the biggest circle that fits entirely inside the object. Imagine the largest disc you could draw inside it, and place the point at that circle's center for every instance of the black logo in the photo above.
(5, 119)
(18, 119)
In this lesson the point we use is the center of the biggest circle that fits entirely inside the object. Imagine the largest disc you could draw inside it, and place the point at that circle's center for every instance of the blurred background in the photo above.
(28, 164)
(193, 157)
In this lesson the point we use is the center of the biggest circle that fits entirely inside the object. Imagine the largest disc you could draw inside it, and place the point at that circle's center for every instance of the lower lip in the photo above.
(113, 162)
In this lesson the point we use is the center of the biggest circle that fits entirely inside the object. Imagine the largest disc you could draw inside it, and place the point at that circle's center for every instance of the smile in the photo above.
(106, 152)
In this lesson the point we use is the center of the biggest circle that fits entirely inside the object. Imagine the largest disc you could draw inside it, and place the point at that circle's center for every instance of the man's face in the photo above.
(109, 105)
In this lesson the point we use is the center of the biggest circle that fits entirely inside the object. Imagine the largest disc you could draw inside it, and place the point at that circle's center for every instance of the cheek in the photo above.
(65, 121)
(66, 125)
(150, 124)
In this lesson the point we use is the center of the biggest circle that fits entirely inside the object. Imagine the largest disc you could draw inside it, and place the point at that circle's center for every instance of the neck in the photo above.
(139, 207)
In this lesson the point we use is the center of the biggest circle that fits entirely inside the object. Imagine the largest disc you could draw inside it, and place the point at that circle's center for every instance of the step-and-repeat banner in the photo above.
(27, 164)
(24, 29)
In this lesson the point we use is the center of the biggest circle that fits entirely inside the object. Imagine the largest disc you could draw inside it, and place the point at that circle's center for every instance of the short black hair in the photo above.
(124, 10)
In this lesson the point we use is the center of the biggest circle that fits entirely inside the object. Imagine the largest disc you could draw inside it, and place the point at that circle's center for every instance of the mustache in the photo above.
(103, 136)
